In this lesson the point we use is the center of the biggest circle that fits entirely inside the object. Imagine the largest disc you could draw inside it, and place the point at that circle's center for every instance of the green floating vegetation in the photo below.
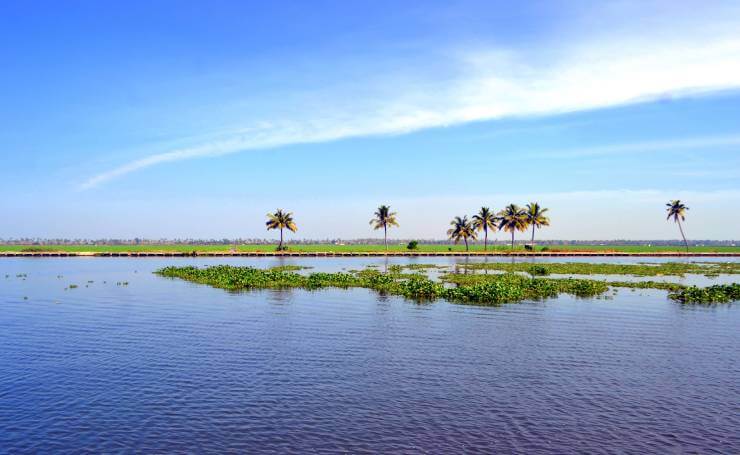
(720, 293)
(504, 288)
(477, 289)
(538, 270)
(513, 288)
(423, 266)
(662, 285)
(468, 279)
(586, 268)
(289, 268)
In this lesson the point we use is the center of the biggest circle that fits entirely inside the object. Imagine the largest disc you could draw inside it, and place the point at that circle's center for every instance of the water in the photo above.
(161, 365)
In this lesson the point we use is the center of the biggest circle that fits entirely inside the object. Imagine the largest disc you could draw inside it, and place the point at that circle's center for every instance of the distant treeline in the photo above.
(369, 241)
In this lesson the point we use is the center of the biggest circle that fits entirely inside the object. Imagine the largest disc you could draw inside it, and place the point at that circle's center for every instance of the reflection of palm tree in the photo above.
(483, 221)
(512, 218)
(281, 220)
(536, 217)
(384, 219)
(677, 211)
(463, 229)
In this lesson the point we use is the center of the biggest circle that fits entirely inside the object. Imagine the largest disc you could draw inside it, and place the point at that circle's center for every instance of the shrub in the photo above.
(412, 245)
(37, 249)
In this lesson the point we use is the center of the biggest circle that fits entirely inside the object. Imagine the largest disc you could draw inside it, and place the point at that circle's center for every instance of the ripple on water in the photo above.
(163, 365)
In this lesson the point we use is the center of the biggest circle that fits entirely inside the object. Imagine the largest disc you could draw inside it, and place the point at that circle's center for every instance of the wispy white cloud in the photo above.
(693, 143)
(490, 83)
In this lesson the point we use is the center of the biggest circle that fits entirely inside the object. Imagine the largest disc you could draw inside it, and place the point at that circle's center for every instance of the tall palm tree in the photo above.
(536, 217)
(463, 229)
(484, 220)
(512, 218)
(384, 218)
(281, 220)
(677, 211)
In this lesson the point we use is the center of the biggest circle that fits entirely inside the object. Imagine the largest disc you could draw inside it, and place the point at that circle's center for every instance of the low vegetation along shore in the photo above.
(471, 288)
(329, 248)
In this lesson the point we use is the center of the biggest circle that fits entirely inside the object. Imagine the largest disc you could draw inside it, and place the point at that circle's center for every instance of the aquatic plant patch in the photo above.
(720, 293)
(586, 268)
(505, 288)
(468, 279)
(289, 268)
(477, 289)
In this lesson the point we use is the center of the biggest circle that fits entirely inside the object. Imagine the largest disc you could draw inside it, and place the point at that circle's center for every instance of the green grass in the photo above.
(354, 248)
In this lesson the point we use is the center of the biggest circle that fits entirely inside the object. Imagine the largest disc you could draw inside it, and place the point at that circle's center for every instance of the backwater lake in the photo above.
(129, 361)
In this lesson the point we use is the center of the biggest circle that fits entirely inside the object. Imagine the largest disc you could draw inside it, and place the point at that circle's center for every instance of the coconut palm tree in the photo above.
(463, 229)
(677, 211)
(484, 220)
(281, 220)
(512, 218)
(384, 218)
(536, 217)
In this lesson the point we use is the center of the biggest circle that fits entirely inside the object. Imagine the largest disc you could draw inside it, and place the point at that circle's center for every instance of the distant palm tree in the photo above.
(463, 229)
(677, 211)
(512, 218)
(536, 217)
(484, 220)
(281, 220)
(384, 219)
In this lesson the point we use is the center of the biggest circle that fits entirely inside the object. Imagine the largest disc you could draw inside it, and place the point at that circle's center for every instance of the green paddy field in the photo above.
(359, 248)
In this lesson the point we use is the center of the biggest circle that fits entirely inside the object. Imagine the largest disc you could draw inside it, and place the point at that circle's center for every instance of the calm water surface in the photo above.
(160, 365)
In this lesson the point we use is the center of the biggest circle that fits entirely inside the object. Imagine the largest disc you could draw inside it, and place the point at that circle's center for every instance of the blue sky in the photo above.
(177, 119)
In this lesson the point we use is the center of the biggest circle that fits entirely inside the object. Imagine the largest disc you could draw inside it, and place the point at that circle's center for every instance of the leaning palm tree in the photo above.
(677, 211)
(512, 218)
(463, 229)
(536, 217)
(384, 219)
(281, 220)
(485, 220)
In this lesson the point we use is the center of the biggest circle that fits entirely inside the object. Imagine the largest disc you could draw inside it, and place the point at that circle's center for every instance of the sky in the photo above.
(176, 119)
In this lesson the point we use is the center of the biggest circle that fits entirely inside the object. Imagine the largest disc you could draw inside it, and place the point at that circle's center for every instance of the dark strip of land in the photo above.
(362, 253)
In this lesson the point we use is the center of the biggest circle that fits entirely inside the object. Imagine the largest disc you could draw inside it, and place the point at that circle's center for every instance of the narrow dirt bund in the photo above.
(358, 254)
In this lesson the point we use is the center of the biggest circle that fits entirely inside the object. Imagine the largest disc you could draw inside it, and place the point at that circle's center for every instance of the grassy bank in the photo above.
(358, 248)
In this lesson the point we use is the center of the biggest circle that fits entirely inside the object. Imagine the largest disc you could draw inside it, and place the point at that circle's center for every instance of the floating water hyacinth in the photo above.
(468, 288)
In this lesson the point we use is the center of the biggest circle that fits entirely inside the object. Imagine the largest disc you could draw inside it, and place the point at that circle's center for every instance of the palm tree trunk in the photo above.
(466, 244)
(385, 237)
(533, 226)
(512, 239)
(280, 247)
(684, 237)
(485, 239)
